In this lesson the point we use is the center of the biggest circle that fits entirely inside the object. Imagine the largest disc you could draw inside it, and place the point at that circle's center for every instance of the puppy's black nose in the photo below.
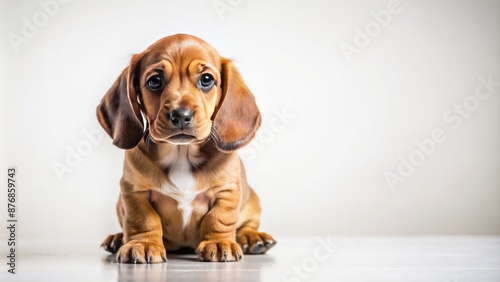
(181, 117)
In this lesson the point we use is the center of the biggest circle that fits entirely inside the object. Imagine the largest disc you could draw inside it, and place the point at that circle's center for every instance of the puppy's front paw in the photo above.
(141, 252)
(219, 250)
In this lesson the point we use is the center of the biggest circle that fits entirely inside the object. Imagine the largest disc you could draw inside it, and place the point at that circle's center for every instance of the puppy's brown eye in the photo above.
(154, 83)
(206, 82)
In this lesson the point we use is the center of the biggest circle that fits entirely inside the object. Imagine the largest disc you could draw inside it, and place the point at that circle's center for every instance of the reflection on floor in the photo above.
(440, 259)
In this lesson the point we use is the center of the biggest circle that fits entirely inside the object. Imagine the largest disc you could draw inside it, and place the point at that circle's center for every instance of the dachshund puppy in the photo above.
(181, 110)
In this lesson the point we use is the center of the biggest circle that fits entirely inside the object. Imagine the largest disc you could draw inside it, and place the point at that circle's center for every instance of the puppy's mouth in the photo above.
(181, 139)
(178, 137)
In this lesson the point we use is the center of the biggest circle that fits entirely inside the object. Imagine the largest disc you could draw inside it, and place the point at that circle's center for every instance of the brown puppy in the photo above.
(183, 185)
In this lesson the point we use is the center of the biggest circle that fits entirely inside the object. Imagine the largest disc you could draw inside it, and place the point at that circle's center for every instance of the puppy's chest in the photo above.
(182, 189)
(181, 186)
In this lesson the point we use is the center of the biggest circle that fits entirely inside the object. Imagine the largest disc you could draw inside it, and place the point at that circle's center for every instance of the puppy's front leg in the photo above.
(218, 229)
(142, 231)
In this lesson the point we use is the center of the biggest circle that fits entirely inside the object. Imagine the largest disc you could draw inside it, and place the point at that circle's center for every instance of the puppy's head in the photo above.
(186, 92)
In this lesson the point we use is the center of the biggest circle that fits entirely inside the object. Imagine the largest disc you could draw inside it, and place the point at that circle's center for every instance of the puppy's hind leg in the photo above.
(113, 243)
(247, 235)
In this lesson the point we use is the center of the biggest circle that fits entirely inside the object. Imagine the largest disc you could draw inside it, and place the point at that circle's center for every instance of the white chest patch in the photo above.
(183, 188)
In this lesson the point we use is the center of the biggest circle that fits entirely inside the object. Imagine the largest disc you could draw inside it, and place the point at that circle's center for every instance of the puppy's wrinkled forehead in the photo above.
(181, 50)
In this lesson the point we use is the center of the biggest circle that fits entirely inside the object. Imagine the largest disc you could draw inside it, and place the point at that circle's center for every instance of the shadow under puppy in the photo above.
(183, 184)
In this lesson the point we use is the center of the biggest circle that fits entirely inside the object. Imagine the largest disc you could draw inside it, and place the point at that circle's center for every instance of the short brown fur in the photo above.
(225, 213)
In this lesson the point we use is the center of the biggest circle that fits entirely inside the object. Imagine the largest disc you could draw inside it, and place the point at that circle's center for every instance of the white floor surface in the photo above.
(440, 259)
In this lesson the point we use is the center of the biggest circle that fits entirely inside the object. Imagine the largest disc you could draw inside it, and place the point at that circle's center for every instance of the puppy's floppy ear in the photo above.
(236, 118)
(119, 112)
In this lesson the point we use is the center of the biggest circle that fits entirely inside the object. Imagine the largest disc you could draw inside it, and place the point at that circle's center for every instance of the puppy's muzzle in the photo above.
(181, 118)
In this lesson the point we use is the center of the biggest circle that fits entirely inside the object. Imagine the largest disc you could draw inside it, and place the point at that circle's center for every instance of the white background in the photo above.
(321, 173)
